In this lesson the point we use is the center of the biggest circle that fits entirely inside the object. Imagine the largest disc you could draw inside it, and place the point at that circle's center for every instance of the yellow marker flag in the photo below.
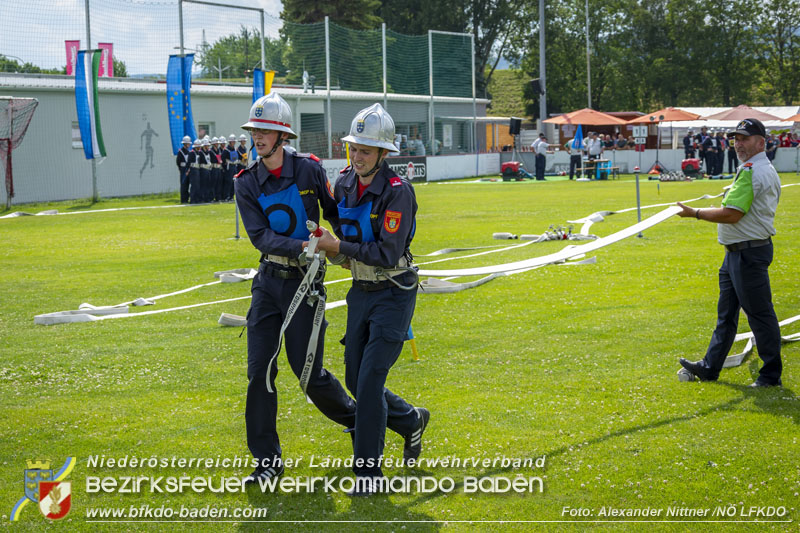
(268, 77)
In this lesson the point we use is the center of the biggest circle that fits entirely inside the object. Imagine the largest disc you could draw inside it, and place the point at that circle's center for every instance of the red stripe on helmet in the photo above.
(270, 122)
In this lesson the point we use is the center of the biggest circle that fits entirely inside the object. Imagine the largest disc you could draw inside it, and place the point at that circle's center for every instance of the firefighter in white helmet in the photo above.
(216, 168)
(182, 161)
(377, 210)
(277, 195)
(204, 157)
(229, 159)
(193, 163)
(243, 154)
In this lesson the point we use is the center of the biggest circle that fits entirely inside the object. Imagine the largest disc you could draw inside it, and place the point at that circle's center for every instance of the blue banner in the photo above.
(86, 103)
(258, 84)
(188, 124)
(577, 142)
(179, 102)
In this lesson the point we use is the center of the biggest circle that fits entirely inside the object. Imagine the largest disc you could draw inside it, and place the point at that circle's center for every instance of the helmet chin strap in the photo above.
(278, 142)
(377, 165)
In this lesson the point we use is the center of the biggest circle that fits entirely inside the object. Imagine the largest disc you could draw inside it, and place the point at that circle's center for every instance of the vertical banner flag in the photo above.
(186, 84)
(179, 104)
(107, 62)
(72, 55)
(577, 142)
(86, 67)
(268, 77)
(258, 84)
(260, 89)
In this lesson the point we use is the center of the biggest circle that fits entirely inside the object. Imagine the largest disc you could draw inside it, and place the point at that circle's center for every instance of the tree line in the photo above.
(644, 54)
(647, 54)
(8, 64)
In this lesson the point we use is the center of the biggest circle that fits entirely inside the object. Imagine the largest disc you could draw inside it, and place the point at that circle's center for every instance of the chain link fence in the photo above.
(326, 72)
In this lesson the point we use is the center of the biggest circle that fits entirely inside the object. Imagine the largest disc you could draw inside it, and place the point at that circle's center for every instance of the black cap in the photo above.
(748, 127)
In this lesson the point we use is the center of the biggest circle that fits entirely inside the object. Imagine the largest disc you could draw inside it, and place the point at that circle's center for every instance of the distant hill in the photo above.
(505, 90)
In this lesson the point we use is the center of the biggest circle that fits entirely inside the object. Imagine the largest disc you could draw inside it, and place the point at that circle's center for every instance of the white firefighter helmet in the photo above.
(214, 140)
(206, 138)
(271, 112)
(231, 138)
(242, 137)
(206, 142)
(186, 139)
(197, 143)
(372, 126)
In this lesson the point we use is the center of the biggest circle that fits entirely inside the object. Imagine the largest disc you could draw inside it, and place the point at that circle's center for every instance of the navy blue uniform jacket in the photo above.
(183, 156)
(392, 217)
(302, 170)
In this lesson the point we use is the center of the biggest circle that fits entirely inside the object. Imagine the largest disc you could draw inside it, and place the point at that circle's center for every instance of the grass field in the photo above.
(574, 363)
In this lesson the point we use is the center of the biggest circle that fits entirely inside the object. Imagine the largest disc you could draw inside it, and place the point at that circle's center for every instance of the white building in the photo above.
(49, 164)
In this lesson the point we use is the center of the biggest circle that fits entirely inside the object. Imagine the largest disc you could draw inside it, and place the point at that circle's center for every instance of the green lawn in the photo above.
(575, 363)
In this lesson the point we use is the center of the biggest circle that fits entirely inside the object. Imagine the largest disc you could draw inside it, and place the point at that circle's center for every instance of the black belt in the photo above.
(737, 246)
(279, 271)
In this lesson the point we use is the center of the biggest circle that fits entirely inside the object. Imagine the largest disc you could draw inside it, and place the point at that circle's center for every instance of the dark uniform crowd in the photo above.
(711, 147)
(206, 170)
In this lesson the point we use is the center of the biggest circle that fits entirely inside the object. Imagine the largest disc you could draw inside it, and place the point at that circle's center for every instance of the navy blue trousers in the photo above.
(195, 183)
(183, 184)
(733, 161)
(219, 184)
(540, 166)
(377, 324)
(574, 162)
(271, 298)
(204, 181)
(744, 284)
(227, 183)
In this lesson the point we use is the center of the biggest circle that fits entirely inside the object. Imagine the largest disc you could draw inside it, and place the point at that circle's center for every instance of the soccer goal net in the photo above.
(15, 115)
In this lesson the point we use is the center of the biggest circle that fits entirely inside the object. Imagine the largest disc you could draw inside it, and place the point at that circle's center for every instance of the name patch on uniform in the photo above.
(391, 222)
(306, 191)
(395, 181)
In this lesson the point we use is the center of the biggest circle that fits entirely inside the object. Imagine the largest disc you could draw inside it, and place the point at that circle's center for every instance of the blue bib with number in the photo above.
(355, 222)
(285, 212)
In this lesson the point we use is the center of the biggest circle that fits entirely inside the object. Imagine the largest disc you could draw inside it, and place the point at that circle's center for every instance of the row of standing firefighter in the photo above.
(208, 167)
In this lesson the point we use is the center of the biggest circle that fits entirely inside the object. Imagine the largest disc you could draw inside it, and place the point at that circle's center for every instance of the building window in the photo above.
(76, 137)
(205, 128)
